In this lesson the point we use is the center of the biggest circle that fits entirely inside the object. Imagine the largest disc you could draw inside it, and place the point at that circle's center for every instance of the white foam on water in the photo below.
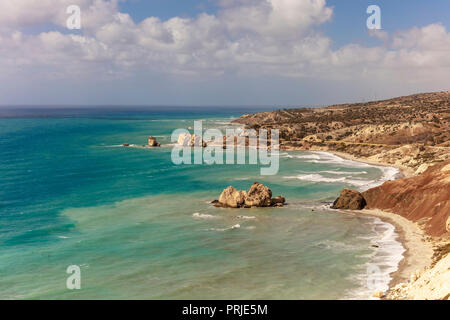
(343, 172)
(312, 156)
(224, 123)
(321, 157)
(327, 157)
(337, 246)
(316, 177)
(285, 155)
(236, 226)
(204, 216)
(246, 217)
(383, 262)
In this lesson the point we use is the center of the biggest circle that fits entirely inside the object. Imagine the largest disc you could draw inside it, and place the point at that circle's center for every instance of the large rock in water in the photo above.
(152, 142)
(350, 200)
(191, 140)
(259, 196)
(232, 198)
(278, 201)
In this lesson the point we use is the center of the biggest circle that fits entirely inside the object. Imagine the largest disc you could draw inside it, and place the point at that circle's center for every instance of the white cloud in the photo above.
(259, 37)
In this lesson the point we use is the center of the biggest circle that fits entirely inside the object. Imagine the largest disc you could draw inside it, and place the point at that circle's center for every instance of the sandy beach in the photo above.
(419, 250)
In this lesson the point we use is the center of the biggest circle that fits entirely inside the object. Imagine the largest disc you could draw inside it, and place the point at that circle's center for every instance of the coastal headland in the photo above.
(411, 133)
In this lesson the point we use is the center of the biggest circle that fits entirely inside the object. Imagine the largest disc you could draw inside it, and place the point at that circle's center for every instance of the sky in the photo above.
(220, 52)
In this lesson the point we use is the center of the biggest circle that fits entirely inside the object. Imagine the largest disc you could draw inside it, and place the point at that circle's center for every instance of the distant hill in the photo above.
(406, 131)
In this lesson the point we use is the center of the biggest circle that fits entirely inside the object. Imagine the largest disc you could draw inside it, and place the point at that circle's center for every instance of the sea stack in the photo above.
(152, 142)
(191, 140)
(259, 195)
(349, 200)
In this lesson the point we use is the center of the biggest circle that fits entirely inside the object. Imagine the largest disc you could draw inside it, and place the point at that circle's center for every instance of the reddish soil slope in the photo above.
(425, 197)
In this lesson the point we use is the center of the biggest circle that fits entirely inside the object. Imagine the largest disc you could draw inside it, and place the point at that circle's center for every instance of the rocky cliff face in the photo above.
(424, 198)
(431, 284)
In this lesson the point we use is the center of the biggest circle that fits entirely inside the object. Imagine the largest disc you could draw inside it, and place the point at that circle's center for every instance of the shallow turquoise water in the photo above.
(141, 227)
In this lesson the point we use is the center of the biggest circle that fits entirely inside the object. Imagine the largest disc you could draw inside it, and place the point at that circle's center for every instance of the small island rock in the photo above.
(232, 198)
(191, 140)
(152, 142)
(350, 200)
(259, 195)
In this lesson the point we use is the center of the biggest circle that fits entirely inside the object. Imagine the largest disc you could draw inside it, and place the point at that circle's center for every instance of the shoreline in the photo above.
(418, 253)
(404, 171)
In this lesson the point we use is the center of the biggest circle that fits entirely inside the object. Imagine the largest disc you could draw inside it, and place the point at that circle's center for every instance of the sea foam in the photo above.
(204, 216)
(388, 252)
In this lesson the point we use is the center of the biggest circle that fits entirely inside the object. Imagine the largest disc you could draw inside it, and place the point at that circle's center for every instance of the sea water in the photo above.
(140, 227)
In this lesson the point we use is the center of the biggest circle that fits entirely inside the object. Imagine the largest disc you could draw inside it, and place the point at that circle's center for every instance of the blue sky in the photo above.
(348, 24)
(254, 52)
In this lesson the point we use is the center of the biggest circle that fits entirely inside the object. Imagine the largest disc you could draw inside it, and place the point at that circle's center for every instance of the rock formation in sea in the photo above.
(350, 200)
(232, 198)
(191, 140)
(258, 195)
(152, 142)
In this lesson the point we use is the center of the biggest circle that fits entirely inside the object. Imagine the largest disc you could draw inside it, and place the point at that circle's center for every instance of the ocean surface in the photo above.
(141, 227)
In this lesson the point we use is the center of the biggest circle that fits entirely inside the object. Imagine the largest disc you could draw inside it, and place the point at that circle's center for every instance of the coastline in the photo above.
(418, 253)
(405, 172)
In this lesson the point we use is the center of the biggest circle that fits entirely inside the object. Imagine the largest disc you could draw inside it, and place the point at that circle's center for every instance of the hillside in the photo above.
(424, 199)
(411, 131)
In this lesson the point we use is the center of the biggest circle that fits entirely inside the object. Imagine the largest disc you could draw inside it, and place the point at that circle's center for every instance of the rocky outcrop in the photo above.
(232, 198)
(191, 140)
(447, 225)
(430, 284)
(350, 200)
(278, 201)
(424, 198)
(258, 195)
(152, 142)
(409, 132)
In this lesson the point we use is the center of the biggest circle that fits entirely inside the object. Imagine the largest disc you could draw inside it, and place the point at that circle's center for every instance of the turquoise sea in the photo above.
(140, 227)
